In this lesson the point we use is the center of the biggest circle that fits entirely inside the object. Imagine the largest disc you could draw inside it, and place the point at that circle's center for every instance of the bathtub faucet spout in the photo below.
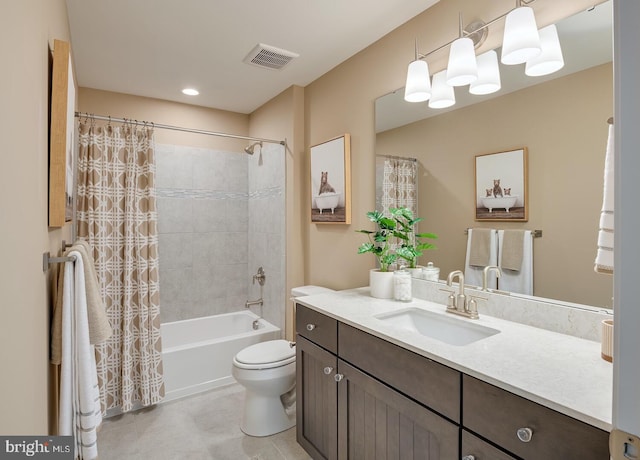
(250, 303)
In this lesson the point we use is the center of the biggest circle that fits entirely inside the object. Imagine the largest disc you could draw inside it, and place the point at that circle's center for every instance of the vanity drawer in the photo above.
(497, 415)
(430, 383)
(319, 328)
(480, 450)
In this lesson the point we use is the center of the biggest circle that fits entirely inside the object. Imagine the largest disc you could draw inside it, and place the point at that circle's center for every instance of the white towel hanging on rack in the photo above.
(520, 281)
(473, 274)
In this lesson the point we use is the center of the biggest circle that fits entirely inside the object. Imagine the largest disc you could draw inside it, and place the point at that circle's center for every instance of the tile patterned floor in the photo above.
(200, 427)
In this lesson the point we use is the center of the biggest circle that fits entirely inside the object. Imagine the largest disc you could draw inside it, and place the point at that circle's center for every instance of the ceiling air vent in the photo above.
(269, 57)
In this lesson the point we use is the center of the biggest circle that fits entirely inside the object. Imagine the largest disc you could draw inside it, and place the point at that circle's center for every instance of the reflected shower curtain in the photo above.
(117, 215)
(399, 186)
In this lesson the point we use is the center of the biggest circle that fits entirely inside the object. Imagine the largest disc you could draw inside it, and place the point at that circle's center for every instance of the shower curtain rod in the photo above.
(175, 128)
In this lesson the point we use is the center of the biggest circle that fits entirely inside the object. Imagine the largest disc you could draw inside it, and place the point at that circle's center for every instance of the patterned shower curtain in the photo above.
(399, 186)
(117, 215)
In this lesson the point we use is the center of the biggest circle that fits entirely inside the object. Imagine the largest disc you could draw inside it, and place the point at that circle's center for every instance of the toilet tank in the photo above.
(299, 292)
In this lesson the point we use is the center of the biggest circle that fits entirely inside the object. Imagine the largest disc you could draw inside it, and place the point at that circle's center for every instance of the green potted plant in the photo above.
(412, 244)
(379, 244)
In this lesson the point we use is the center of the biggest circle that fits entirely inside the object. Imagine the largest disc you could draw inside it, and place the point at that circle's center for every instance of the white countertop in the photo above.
(559, 371)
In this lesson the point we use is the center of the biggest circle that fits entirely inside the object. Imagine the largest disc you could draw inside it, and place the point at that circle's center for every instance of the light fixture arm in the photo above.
(463, 33)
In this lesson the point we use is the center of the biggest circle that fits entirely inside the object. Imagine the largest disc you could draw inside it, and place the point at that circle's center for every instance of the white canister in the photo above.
(430, 272)
(402, 285)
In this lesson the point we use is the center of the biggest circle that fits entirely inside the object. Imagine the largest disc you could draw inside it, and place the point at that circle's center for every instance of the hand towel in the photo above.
(79, 412)
(512, 248)
(472, 273)
(99, 327)
(480, 247)
(604, 254)
(521, 281)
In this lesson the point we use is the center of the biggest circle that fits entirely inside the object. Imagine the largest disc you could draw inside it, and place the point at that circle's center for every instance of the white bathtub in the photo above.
(198, 353)
(506, 202)
(327, 201)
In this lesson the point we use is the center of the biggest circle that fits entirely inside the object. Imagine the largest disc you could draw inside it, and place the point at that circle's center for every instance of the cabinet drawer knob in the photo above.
(338, 377)
(327, 370)
(525, 434)
(469, 457)
(311, 327)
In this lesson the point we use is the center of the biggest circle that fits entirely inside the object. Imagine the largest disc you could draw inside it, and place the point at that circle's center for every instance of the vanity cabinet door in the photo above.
(317, 400)
(376, 422)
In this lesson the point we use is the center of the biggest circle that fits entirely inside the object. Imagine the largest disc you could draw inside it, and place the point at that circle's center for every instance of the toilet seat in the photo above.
(266, 355)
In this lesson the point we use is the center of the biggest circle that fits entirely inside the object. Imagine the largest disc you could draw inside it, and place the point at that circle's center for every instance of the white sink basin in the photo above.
(443, 327)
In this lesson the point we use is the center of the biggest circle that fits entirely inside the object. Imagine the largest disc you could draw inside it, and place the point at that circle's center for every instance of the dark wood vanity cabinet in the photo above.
(362, 397)
(343, 412)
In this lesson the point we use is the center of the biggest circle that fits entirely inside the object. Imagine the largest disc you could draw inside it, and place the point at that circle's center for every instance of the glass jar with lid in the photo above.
(402, 285)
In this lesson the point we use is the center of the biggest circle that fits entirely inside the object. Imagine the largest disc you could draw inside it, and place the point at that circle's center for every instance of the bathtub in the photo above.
(198, 353)
(506, 202)
(327, 201)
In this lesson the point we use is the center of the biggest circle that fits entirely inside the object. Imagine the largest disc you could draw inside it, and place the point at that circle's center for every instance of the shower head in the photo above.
(250, 148)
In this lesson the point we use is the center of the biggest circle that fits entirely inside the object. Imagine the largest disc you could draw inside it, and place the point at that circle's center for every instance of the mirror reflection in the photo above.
(561, 119)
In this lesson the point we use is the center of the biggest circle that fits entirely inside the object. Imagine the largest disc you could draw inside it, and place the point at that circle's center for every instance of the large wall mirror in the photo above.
(562, 121)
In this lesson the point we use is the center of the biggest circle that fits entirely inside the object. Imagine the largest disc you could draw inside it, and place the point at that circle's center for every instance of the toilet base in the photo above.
(254, 421)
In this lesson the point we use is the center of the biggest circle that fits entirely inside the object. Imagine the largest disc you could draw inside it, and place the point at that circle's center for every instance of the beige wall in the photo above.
(563, 125)
(27, 28)
(120, 105)
(343, 101)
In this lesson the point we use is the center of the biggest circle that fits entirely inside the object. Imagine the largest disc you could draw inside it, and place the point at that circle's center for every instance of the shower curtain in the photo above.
(117, 215)
(399, 186)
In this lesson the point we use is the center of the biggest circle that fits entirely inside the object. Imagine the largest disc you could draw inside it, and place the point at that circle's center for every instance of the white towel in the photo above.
(79, 413)
(473, 274)
(520, 281)
(604, 254)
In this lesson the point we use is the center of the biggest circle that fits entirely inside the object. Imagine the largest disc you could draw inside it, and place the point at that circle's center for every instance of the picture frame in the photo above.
(330, 170)
(62, 136)
(501, 186)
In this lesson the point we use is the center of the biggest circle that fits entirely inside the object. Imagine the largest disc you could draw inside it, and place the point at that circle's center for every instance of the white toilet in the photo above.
(267, 370)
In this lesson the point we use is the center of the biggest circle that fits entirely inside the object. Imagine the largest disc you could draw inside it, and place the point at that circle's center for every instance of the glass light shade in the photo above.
(521, 41)
(462, 68)
(550, 59)
(418, 86)
(442, 95)
(488, 74)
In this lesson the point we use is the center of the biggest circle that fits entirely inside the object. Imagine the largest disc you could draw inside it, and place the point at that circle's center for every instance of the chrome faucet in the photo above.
(460, 304)
(486, 271)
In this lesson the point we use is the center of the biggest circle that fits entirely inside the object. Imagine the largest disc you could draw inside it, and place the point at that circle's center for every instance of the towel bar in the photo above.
(534, 233)
(48, 260)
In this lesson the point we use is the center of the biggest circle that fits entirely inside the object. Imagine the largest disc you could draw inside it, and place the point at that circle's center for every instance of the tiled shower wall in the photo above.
(206, 232)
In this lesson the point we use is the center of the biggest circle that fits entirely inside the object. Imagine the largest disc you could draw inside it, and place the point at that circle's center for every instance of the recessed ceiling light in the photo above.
(190, 92)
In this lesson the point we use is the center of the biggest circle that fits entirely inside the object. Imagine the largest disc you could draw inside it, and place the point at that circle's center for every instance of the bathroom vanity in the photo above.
(368, 388)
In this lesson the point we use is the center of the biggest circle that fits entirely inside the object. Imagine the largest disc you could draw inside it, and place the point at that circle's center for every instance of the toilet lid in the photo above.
(272, 351)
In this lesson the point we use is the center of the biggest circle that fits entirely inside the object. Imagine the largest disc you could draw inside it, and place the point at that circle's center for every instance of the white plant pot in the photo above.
(381, 284)
(416, 272)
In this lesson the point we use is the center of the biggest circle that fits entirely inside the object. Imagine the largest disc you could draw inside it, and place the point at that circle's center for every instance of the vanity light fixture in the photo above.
(521, 40)
(522, 43)
(488, 74)
(190, 92)
(462, 68)
(418, 86)
(442, 94)
(550, 59)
